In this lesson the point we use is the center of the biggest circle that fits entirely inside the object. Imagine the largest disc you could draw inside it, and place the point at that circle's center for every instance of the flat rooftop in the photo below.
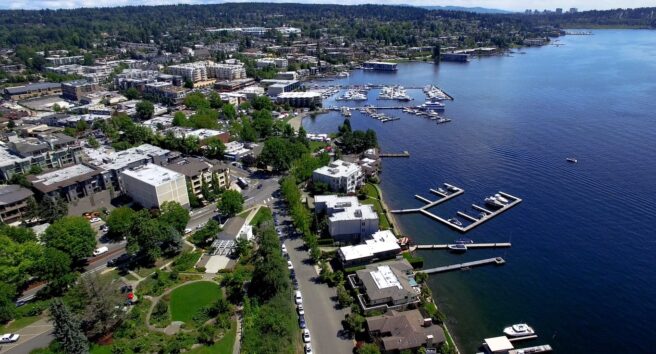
(50, 181)
(153, 175)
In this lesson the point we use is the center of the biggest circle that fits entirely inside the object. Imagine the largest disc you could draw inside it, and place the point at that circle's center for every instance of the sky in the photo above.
(513, 5)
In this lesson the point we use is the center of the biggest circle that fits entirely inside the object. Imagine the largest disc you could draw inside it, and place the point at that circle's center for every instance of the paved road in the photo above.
(37, 335)
(323, 317)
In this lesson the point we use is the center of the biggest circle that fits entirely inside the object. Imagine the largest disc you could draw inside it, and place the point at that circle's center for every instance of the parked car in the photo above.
(187, 230)
(9, 338)
(301, 322)
(118, 260)
(290, 266)
(298, 297)
(284, 249)
(306, 335)
(94, 220)
(308, 348)
(300, 310)
(100, 250)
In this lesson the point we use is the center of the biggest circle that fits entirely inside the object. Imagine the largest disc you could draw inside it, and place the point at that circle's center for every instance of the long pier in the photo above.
(451, 193)
(395, 154)
(497, 261)
(536, 349)
(469, 246)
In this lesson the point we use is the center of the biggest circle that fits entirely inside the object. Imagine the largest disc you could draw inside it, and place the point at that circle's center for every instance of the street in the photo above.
(34, 336)
(323, 317)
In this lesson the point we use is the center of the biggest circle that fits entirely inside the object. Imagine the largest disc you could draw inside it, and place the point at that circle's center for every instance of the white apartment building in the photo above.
(340, 175)
(152, 185)
(348, 221)
(205, 70)
(275, 62)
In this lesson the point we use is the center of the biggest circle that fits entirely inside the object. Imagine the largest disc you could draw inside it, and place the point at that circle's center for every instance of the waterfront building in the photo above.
(300, 99)
(340, 176)
(379, 66)
(152, 185)
(379, 246)
(455, 57)
(386, 286)
(348, 221)
(409, 330)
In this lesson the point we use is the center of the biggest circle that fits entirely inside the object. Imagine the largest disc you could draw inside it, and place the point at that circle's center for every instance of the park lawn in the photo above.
(371, 191)
(383, 222)
(187, 300)
(244, 214)
(264, 214)
(223, 346)
(18, 324)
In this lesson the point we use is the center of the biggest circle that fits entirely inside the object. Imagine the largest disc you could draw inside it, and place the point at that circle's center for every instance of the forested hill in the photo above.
(395, 24)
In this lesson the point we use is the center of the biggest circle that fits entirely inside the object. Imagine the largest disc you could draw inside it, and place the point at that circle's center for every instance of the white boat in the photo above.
(492, 201)
(501, 198)
(432, 106)
(519, 330)
(572, 160)
(455, 221)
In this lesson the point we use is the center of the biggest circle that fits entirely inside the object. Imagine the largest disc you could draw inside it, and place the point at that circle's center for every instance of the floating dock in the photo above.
(497, 261)
(469, 246)
(395, 154)
(455, 191)
(537, 349)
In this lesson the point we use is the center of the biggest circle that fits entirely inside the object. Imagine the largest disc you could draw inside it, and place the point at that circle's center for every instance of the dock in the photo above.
(486, 214)
(537, 349)
(455, 191)
(394, 154)
(469, 246)
(459, 266)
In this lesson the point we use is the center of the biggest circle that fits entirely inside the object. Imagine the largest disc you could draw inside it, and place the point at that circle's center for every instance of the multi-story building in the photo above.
(74, 90)
(280, 63)
(205, 70)
(379, 65)
(198, 172)
(13, 203)
(152, 185)
(386, 286)
(164, 92)
(300, 99)
(70, 183)
(348, 221)
(32, 90)
(381, 245)
(57, 60)
(340, 176)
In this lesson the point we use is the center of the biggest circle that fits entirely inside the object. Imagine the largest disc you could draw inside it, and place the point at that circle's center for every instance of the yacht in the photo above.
(458, 248)
(492, 201)
(519, 330)
(572, 160)
(451, 188)
(501, 199)
(432, 106)
(455, 221)
(441, 190)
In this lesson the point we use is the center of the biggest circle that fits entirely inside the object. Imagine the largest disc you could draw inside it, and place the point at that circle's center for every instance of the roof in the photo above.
(498, 344)
(404, 330)
(190, 166)
(231, 228)
(380, 242)
(153, 175)
(13, 193)
(51, 181)
(344, 208)
(16, 90)
(308, 94)
(338, 168)
(121, 159)
(387, 281)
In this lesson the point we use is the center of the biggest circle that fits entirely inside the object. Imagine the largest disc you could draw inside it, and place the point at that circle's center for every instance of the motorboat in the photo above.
(441, 190)
(500, 198)
(432, 106)
(571, 160)
(457, 248)
(492, 201)
(455, 221)
(518, 330)
(464, 240)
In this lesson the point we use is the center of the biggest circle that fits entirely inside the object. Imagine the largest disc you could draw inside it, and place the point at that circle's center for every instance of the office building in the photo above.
(152, 185)
(75, 90)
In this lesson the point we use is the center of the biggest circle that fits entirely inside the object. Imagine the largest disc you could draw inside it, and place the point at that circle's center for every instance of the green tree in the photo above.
(368, 348)
(55, 267)
(355, 322)
(56, 107)
(343, 296)
(67, 329)
(229, 111)
(132, 93)
(248, 133)
(174, 214)
(180, 120)
(262, 102)
(263, 123)
(20, 179)
(204, 236)
(98, 302)
(7, 306)
(145, 110)
(215, 100)
(231, 202)
(72, 235)
(196, 100)
(93, 142)
(52, 209)
(215, 149)
(119, 222)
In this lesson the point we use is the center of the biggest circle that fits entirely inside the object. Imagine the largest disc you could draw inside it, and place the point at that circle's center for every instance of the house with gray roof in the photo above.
(386, 286)
(408, 330)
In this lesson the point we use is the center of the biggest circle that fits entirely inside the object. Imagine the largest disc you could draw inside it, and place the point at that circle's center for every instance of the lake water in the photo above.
(582, 269)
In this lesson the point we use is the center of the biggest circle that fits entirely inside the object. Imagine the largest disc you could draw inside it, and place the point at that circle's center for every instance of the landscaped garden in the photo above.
(188, 300)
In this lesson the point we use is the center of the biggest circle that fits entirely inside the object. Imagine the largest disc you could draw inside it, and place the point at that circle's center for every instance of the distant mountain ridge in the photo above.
(478, 10)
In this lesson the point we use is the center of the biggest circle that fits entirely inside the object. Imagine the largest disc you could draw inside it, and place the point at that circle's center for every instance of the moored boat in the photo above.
(458, 248)
(518, 330)
(492, 201)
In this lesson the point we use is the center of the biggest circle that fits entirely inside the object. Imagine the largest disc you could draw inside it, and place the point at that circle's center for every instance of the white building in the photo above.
(152, 185)
(380, 245)
(272, 62)
(348, 221)
(340, 175)
(205, 70)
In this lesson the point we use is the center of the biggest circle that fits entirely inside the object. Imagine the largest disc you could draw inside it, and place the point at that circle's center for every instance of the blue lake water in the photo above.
(582, 269)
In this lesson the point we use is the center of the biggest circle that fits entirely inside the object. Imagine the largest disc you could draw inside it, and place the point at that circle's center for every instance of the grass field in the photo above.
(263, 214)
(188, 299)
(383, 222)
(18, 324)
(224, 346)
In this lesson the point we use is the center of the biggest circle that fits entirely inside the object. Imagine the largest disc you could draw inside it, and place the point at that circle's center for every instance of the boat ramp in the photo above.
(466, 265)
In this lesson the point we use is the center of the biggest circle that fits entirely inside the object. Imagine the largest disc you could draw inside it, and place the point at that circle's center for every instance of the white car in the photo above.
(9, 337)
(290, 266)
(306, 335)
(187, 230)
(100, 250)
(94, 220)
(298, 298)
(308, 348)
(301, 312)
(284, 249)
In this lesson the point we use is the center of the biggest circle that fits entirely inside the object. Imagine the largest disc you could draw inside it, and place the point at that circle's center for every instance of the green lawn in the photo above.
(383, 222)
(101, 349)
(188, 299)
(224, 346)
(371, 191)
(18, 324)
(244, 214)
(263, 214)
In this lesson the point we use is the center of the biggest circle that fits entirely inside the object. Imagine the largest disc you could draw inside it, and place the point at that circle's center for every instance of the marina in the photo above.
(450, 192)
(468, 246)
(466, 265)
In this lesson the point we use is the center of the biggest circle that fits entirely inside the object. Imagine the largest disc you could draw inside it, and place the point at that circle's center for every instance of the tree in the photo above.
(248, 133)
(368, 348)
(93, 142)
(203, 236)
(343, 296)
(72, 235)
(263, 123)
(215, 149)
(56, 107)
(55, 267)
(231, 202)
(20, 179)
(52, 209)
(132, 93)
(174, 214)
(215, 100)
(7, 306)
(355, 322)
(196, 101)
(145, 110)
(119, 222)
(98, 302)
(180, 120)
(229, 111)
(262, 102)
(67, 329)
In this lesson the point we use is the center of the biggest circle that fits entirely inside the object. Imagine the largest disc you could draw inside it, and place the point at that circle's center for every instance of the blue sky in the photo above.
(499, 4)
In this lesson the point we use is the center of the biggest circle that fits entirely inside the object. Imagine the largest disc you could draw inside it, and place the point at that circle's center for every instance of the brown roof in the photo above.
(404, 330)
(13, 193)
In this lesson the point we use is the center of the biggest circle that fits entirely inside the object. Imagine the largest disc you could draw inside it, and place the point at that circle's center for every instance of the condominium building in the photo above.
(13, 203)
(300, 99)
(75, 90)
(152, 185)
(386, 286)
(348, 221)
(340, 176)
(280, 63)
(198, 172)
(57, 60)
(205, 70)
(70, 183)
